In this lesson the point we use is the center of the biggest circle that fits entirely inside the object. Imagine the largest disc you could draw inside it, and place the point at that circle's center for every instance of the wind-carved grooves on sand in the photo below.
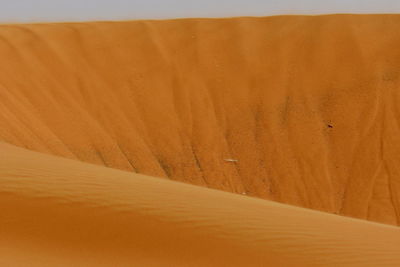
(305, 107)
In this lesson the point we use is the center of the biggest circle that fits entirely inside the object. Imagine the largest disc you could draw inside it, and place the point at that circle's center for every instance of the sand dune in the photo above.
(294, 109)
(306, 106)
(61, 212)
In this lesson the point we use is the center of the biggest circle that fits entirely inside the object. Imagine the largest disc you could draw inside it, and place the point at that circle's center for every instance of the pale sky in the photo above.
(81, 10)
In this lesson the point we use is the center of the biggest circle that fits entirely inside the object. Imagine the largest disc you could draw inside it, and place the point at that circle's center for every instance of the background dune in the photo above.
(308, 106)
(60, 212)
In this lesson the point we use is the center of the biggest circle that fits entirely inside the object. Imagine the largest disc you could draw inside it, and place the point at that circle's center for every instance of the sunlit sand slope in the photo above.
(308, 106)
(61, 212)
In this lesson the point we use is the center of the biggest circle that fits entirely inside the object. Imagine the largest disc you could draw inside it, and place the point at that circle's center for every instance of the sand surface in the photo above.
(308, 106)
(61, 212)
(300, 110)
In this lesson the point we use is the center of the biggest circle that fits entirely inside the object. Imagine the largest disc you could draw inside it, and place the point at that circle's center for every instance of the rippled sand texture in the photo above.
(308, 106)
(60, 212)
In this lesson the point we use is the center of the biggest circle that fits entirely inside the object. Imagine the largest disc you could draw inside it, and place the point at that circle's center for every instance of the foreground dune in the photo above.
(61, 212)
(306, 107)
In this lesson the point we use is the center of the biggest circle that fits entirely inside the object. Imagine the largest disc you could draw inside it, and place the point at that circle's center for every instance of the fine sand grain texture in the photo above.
(61, 212)
(301, 110)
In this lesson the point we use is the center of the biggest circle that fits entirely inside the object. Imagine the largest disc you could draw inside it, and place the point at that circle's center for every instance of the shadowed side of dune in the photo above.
(61, 212)
(306, 107)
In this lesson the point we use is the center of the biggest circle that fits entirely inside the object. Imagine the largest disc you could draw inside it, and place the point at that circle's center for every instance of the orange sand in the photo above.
(301, 110)
(60, 212)
(175, 98)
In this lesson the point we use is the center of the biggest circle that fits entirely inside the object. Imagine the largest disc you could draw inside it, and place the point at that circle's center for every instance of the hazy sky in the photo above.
(73, 10)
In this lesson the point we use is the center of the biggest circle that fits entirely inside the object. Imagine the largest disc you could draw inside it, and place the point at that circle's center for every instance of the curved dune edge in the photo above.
(61, 212)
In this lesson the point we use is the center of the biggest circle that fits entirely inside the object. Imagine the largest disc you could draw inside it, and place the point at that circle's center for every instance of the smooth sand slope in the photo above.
(308, 106)
(61, 212)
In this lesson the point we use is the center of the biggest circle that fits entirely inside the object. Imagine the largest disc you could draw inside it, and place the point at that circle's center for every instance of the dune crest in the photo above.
(307, 107)
(61, 212)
